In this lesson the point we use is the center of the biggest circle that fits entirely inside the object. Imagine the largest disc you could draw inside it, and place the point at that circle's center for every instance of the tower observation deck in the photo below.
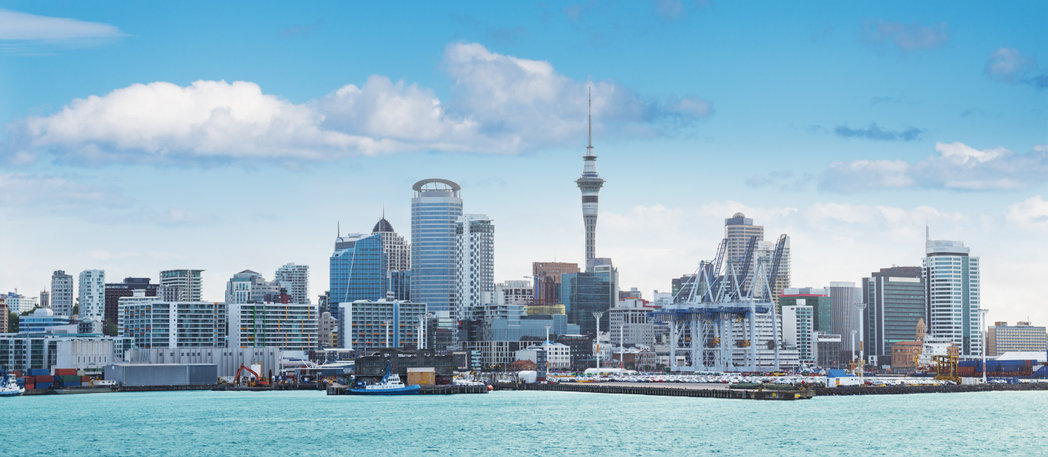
(589, 183)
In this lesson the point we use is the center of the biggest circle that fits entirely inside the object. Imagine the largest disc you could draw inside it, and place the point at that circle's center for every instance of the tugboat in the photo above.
(8, 386)
(389, 385)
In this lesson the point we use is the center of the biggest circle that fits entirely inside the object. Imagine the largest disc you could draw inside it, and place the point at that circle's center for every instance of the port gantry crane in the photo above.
(714, 318)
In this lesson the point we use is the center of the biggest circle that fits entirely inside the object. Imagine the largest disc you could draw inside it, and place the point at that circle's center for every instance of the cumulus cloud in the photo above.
(1010, 66)
(905, 37)
(1031, 213)
(875, 132)
(957, 166)
(500, 104)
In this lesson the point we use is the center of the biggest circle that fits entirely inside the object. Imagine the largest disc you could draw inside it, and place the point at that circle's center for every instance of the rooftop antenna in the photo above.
(339, 228)
(589, 118)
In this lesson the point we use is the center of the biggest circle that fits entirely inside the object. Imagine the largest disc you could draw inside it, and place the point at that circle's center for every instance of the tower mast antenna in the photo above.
(589, 117)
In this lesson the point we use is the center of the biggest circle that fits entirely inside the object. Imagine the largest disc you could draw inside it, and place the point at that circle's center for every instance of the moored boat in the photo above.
(389, 385)
(9, 387)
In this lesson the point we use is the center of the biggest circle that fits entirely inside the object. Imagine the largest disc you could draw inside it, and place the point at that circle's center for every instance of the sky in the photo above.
(144, 136)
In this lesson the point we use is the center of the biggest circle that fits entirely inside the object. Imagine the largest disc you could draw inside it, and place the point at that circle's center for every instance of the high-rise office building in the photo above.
(547, 276)
(951, 291)
(92, 295)
(398, 251)
(125, 289)
(589, 184)
(45, 299)
(1021, 337)
(818, 299)
(180, 285)
(250, 287)
(588, 292)
(844, 301)
(894, 300)
(358, 270)
(738, 229)
(514, 293)
(475, 238)
(435, 207)
(62, 293)
(295, 280)
(798, 330)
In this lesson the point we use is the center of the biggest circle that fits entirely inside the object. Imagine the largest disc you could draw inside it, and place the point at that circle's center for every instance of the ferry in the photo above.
(389, 385)
(9, 387)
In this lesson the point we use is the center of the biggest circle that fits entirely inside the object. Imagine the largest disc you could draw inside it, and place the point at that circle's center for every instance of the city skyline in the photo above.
(930, 117)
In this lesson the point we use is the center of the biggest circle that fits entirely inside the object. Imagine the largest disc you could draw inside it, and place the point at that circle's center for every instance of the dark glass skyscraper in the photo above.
(435, 207)
(895, 302)
(358, 270)
(584, 293)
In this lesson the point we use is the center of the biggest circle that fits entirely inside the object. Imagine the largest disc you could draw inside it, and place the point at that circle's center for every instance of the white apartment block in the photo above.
(289, 326)
(154, 323)
(475, 235)
(294, 278)
(92, 296)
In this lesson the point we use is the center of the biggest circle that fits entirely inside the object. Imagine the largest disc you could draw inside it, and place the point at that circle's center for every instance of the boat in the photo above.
(9, 387)
(389, 385)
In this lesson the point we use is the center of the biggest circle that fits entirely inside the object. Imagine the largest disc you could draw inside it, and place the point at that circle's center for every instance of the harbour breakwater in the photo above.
(668, 390)
(948, 388)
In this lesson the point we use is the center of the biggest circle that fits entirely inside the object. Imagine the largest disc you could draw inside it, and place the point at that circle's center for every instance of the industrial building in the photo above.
(227, 360)
(290, 326)
(167, 374)
(373, 367)
(21, 351)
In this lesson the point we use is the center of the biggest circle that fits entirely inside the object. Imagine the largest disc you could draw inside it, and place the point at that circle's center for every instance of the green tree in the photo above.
(110, 328)
(12, 323)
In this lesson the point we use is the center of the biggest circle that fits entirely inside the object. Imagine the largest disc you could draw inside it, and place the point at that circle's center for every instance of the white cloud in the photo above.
(956, 166)
(501, 104)
(1031, 213)
(905, 37)
(24, 189)
(1007, 64)
(16, 26)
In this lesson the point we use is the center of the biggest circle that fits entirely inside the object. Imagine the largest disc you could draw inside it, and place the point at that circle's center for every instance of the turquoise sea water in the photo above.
(521, 423)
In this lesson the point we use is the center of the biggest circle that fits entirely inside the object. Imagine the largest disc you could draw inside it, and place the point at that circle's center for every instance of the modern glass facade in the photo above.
(895, 302)
(358, 270)
(951, 290)
(435, 208)
(584, 293)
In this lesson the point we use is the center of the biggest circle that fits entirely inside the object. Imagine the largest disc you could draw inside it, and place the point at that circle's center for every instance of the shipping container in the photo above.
(48, 378)
(20, 381)
(85, 379)
(65, 372)
(68, 378)
(71, 384)
(28, 379)
(44, 385)
(39, 372)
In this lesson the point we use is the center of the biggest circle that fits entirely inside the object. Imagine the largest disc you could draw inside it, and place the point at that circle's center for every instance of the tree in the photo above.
(110, 328)
(12, 323)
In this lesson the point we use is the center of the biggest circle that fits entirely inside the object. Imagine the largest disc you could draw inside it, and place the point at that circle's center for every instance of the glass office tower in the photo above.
(436, 206)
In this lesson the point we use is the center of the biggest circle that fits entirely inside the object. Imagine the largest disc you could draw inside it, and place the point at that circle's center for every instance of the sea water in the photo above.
(521, 423)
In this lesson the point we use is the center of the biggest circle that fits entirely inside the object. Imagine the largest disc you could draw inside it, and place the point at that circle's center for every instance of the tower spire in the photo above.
(589, 118)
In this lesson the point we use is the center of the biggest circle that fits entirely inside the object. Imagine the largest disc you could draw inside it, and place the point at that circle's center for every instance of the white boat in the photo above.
(390, 385)
(10, 388)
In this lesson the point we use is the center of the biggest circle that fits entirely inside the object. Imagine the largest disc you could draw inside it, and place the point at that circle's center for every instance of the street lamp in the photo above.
(985, 333)
(597, 315)
(862, 349)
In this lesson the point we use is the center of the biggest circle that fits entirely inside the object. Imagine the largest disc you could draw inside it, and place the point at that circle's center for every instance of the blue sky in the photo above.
(145, 136)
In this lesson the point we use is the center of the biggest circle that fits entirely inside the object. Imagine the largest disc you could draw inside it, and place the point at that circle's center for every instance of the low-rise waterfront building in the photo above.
(227, 359)
(1021, 337)
(557, 355)
(24, 351)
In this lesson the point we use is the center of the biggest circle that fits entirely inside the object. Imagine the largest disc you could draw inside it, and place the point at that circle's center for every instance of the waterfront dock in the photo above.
(444, 389)
(669, 390)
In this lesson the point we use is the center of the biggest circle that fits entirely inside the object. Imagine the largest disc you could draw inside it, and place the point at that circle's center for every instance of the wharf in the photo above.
(445, 389)
(891, 390)
(669, 390)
